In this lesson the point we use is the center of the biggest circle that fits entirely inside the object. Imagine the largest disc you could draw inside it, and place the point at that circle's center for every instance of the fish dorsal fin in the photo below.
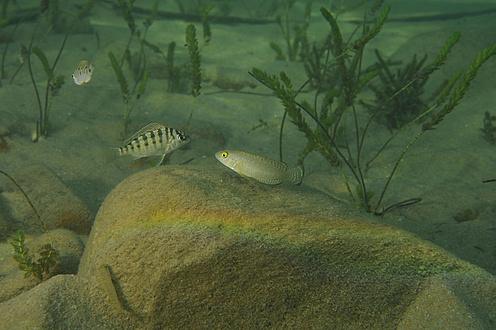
(142, 130)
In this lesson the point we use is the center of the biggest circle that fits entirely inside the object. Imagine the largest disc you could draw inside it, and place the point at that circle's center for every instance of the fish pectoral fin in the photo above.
(158, 160)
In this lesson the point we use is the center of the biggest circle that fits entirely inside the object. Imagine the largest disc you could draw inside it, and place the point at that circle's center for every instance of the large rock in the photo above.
(56, 204)
(184, 247)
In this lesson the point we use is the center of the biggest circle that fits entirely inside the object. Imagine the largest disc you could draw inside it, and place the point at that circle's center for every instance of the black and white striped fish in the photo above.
(153, 140)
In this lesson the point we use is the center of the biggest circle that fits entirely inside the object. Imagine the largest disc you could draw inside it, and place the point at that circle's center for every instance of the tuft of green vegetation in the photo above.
(489, 127)
(207, 31)
(47, 257)
(173, 71)
(336, 129)
(54, 83)
(195, 62)
(298, 43)
(195, 59)
(407, 105)
(137, 63)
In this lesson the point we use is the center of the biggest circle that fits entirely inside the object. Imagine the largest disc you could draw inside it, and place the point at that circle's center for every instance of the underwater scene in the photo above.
(246, 164)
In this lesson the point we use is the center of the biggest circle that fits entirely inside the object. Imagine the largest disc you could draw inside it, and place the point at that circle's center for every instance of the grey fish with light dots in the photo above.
(264, 170)
(153, 140)
(82, 74)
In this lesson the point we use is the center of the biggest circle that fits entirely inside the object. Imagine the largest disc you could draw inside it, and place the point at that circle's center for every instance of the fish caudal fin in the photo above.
(295, 174)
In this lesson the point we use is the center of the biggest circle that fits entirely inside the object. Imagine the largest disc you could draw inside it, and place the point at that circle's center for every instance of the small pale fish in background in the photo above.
(83, 73)
(262, 169)
(153, 140)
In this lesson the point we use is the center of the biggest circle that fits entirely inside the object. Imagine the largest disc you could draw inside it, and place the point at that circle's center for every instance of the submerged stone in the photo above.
(189, 247)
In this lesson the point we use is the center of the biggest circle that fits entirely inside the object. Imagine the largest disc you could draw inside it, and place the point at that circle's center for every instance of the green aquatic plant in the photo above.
(3, 22)
(489, 127)
(293, 44)
(125, 93)
(195, 62)
(53, 83)
(48, 255)
(207, 31)
(175, 73)
(342, 143)
(137, 63)
(407, 105)
(3, 11)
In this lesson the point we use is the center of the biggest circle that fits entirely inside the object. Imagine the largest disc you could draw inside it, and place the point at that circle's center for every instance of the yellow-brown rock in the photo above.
(191, 247)
(202, 248)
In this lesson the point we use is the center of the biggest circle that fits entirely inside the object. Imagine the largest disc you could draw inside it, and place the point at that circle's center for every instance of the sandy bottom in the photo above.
(445, 167)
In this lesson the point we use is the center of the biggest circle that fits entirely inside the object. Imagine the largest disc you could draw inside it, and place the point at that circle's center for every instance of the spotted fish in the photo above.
(83, 73)
(153, 140)
(262, 169)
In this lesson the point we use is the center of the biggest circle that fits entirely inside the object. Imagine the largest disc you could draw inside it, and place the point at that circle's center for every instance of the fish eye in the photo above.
(224, 154)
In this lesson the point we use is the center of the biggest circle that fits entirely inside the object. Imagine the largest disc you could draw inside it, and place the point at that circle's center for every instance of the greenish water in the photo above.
(445, 167)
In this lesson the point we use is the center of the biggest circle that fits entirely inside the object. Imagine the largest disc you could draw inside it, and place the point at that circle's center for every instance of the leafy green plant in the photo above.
(407, 105)
(137, 64)
(46, 261)
(54, 83)
(207, 31)
(195, 62)
(299, 41)
(342, 143)
(48, 255)
(125, 93)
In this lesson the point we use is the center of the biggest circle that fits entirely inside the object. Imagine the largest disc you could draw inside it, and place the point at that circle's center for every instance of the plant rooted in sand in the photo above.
(54, 83)
(137, 63)
(298, 43)
(195, 61)
(342, 143)
(48, 255)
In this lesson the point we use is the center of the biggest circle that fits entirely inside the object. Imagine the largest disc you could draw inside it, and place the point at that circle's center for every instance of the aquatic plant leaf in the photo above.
(153, 47)
(463, 86)
(170, 57)
(336, 32)
(44, 4)
(371, 32)
(376, 6)
(44, 61)
(141, 89)
(279, 53)
(120, 77)
(443, 55)
(56, 85)
(128, 16)
(195, 60)
(443, 97)
(207, 31)
(85, 10)
(54, 12)
(154, 12)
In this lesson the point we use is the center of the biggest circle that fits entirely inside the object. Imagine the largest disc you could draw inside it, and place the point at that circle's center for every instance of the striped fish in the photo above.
(153, 140)
(83, 73)
(262, 169)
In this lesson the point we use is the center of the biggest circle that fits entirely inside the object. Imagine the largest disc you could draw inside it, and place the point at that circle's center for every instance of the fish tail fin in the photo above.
(112, 153)
(295, 174)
